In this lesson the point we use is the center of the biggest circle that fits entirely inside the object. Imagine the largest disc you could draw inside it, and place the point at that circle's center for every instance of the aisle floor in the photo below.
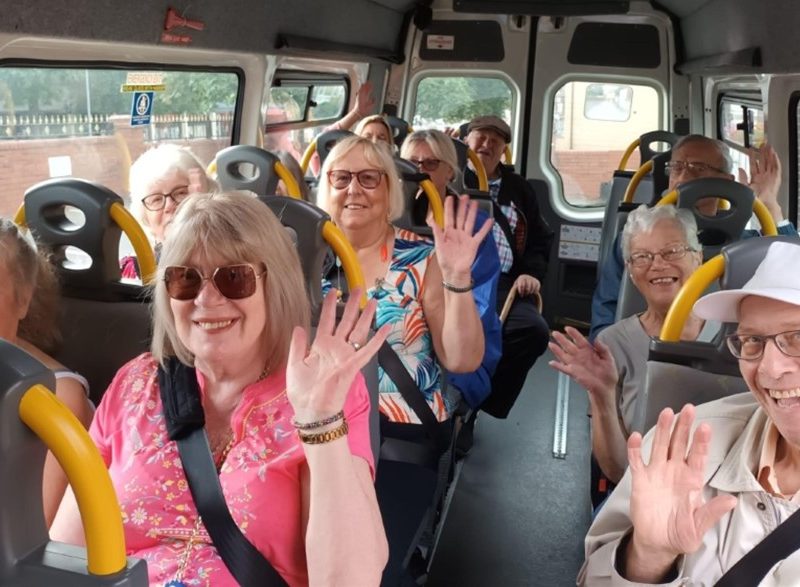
(518, 515)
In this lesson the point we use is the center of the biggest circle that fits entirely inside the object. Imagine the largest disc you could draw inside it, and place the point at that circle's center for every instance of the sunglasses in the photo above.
(235, 282)
(427, 164)
(368, 178)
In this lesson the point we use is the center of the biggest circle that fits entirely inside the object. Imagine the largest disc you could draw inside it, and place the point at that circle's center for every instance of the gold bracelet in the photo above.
(323, 437)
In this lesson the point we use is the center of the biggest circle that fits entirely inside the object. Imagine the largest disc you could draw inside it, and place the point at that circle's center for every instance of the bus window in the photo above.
(741, 125)
(297, 110)
(77, 122)
(593, 124)
(452, 100)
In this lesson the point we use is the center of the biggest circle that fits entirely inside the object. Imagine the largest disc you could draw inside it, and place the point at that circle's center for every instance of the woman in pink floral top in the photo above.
(296, 476)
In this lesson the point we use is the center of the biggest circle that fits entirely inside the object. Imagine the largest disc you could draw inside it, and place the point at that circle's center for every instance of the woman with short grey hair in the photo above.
(661, 251)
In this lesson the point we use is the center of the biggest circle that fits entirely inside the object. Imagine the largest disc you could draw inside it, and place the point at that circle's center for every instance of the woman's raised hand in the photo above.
(456, 246)
(591, 365)
(318, 378)
(668, 512)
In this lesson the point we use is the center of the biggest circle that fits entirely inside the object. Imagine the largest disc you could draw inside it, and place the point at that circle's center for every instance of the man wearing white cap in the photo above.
(686, 518)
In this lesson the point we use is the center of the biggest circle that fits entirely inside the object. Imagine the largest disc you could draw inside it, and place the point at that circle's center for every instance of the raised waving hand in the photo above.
(455, 244)
(668, 511)
(591, 365)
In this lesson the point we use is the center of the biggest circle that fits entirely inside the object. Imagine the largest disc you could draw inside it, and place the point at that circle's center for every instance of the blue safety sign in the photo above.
(141, 108)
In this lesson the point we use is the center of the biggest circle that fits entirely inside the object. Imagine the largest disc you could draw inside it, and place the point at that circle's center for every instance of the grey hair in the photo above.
(643, 220)
(156, 163)
(440, 144)
(379, 157)
(380, 119)
(293, 166)
(233, 227)
(718, 146)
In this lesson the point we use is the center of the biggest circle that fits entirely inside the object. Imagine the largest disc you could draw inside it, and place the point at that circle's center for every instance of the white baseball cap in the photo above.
(776, 278)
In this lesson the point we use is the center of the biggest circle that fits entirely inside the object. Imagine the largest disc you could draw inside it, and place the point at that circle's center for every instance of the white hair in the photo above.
(644, 219)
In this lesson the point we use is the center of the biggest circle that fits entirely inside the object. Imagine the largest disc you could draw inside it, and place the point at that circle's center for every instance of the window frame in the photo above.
(794, 153)
(746, 100)
(561, 205)
(236, 124)
(291, 78)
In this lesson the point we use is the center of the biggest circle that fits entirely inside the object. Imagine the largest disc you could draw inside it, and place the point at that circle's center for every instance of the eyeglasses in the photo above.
(368, 178)
(426, 164)
(750, 347)
(692, 167)
(156, 202)
(235, 282)
(645, 258)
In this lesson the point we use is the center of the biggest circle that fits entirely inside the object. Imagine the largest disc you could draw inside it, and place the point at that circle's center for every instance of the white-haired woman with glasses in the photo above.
(159, 180)
(661, 251)
(286, 425)
(423, 294)
(433, 153)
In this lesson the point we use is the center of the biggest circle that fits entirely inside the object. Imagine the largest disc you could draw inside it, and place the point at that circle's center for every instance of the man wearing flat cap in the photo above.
(522, 240)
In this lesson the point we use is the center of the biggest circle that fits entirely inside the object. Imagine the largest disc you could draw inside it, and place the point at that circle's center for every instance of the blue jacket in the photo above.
(476, 386)
(604, 300)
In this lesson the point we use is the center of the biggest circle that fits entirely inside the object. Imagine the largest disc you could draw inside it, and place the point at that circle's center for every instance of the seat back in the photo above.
(400, 129)
(416, 207)
(646, 141)
(327, 141)
(28, 558)
(262, 179)
(690, 371)
(714, 232)
(104, 323)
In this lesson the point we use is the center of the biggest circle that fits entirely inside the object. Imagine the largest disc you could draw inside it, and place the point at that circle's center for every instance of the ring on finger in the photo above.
(355, 345)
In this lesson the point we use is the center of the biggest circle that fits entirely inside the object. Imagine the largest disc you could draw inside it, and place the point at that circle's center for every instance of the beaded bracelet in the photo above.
(323, 437)
(457, 289)
(319, 423)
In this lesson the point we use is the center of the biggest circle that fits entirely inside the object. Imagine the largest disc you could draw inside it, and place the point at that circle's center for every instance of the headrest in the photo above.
(657, 136)
(400, 129)
(263, 180)
(327, 141)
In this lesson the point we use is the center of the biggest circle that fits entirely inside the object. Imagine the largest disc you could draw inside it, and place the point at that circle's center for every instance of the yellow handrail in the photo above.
(683, 303)
(141, 245)
(342, 248)
(292, 187)
(19, 217)
(768, 226)
(630, 192)
(307, 155)
(74, 450)
(434, 200)
(211, 170)
(507, 155)
(627, 154)
(480, 170)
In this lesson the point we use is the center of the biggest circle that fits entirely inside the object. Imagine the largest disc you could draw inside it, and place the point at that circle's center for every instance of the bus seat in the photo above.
(306, 225)
(28, 557)
(648, 139)
(714, 232)
(416, 208)
(691, 371)
(104, 322)
(400, 129)
(262, 179)
(327, 141)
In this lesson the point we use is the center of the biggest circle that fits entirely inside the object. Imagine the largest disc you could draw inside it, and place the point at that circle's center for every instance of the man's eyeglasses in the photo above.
(645, 258)
(235, 282)
(156, 202)
(692, 167)
(750, 347)
(427, 164)
(368, 178)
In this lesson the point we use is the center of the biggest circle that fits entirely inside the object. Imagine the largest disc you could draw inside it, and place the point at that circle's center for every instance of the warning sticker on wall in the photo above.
(441, 42)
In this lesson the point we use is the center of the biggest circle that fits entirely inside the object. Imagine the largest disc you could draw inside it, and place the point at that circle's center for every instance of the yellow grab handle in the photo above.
(768, 226)
(133, 230)
(307, 155)
(434, 200)
(623, 163)
(342, 248)
(19, 217)
(636, 180)
(507, 155)
(292, 187)
(211, 170)
(683, 303)
(480, 170)
(69, 442)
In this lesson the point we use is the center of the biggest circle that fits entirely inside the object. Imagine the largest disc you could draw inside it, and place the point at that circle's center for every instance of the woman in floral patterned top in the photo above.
(230, 301)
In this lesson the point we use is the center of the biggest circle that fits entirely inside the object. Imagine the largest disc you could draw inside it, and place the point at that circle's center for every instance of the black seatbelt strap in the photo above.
(776, 546)
(185, 420)
(397, 372)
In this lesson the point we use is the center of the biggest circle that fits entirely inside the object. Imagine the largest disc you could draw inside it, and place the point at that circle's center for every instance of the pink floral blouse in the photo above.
(260, 477)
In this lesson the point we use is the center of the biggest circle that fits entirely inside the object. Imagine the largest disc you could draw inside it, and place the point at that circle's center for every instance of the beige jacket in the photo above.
(738, 426)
